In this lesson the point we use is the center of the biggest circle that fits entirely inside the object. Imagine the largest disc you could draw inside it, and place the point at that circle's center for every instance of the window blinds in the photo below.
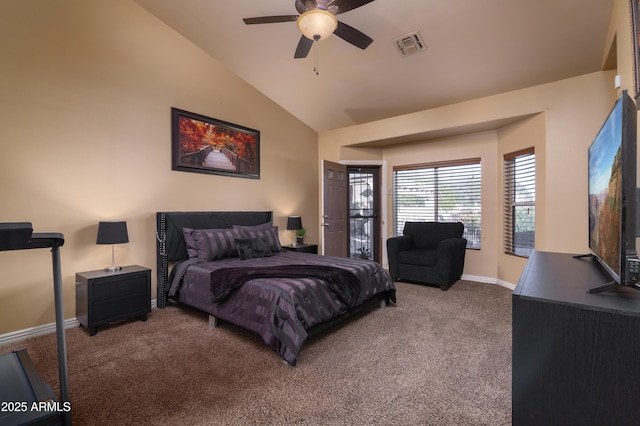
(439, 192)
(519, 203)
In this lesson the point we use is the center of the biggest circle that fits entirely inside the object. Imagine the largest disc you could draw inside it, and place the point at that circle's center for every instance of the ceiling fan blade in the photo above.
(341, 6)
(353, 36)
(270, 19)
(303, 5)
(304, 46)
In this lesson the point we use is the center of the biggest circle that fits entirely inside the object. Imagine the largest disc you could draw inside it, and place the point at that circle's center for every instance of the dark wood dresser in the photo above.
(576, 355)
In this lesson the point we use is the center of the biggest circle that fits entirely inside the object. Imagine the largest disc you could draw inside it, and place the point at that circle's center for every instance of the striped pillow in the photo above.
(261, 227)
(270, 234)
(214, 244)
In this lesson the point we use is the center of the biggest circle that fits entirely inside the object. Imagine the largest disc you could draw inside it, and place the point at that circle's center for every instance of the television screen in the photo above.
(612, 191)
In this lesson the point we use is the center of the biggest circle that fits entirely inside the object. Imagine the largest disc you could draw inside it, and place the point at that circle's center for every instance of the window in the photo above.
(520, 202)
(439, 192)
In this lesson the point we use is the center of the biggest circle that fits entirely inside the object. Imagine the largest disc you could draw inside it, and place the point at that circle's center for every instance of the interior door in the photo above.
(334, 207)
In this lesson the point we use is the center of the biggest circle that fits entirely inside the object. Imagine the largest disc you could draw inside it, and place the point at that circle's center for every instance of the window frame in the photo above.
(514, 199)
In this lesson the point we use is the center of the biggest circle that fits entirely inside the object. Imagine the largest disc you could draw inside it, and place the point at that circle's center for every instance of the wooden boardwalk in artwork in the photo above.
(217, 160)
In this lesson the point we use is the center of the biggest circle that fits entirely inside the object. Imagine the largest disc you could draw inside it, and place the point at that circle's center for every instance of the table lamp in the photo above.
(293, 224)
(112, 233)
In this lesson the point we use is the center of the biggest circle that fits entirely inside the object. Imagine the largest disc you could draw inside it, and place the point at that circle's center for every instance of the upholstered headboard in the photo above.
(170, 240)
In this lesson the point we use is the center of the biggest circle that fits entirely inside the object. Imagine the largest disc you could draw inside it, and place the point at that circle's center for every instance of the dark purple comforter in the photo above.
(280, 310)
(343, 283)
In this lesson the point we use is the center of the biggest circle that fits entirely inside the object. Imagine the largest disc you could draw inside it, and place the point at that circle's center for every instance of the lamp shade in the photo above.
(294, 223)
(112, 233)
(317, 24)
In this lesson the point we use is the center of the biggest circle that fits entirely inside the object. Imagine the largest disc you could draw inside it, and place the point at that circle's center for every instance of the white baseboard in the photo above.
(41, 330)
(488, 280)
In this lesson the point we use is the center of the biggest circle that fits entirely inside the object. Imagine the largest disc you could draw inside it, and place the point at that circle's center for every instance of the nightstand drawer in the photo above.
(116, 288)
(118, 307)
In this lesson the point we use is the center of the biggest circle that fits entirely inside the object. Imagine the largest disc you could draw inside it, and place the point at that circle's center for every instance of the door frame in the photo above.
(384, 202)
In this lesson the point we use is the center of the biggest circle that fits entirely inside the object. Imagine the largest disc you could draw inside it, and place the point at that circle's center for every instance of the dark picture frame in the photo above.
(635, 15)
(201, 144)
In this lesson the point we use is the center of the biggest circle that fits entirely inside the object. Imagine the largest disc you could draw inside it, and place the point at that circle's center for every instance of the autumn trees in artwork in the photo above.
(196, 134)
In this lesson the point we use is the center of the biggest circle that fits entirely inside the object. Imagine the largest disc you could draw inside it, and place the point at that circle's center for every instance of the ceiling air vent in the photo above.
(410, 44)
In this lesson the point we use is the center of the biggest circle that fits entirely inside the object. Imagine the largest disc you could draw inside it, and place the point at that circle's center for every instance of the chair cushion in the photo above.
(427, 235)
(418, 257)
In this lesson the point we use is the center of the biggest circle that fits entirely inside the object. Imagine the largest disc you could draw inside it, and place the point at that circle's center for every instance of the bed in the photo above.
(231, 266)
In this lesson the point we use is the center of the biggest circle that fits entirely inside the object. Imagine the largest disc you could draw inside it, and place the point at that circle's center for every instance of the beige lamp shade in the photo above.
(317, 24)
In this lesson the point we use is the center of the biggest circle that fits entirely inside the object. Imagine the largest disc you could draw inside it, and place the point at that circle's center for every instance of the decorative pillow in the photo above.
(260, 227)
(248, 248)
(192, 251)
(270, 234)
(214, 244)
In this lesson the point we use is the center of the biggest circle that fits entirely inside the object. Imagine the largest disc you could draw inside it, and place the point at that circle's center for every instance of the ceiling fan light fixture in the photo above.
(317, 24)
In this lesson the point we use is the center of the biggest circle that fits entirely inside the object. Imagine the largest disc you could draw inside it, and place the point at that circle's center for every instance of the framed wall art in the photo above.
(202, 144)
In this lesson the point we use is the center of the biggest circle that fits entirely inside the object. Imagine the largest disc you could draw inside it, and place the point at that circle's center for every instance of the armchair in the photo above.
(428, 253)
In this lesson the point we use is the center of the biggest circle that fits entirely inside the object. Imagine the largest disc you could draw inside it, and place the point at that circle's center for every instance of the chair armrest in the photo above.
(394, 246)
(452, 244)
(451, 252)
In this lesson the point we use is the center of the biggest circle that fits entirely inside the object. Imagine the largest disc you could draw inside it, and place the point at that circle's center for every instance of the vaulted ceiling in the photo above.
(474, 48)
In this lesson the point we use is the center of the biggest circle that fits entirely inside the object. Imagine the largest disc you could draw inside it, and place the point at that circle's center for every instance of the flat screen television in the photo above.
(612, 196)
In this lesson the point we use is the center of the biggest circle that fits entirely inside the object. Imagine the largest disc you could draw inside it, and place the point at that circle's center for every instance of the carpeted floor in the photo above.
(434, 358)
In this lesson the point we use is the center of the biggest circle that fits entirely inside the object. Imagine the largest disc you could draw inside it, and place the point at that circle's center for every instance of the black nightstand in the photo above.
(303, 248)
(103, 297)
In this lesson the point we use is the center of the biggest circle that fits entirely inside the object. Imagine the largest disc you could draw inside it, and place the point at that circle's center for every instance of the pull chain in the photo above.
(315, 57)
(315, 54)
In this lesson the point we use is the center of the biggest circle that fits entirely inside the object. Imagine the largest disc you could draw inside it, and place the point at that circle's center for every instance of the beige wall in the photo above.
(526, 133)
(482, 145)
(559, 119)
(87, 88)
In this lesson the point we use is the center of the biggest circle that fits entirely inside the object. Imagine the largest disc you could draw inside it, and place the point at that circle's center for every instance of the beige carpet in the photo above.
(434, 358)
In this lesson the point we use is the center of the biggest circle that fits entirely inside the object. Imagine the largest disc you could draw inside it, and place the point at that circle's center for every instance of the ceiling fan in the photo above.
(317, 21)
